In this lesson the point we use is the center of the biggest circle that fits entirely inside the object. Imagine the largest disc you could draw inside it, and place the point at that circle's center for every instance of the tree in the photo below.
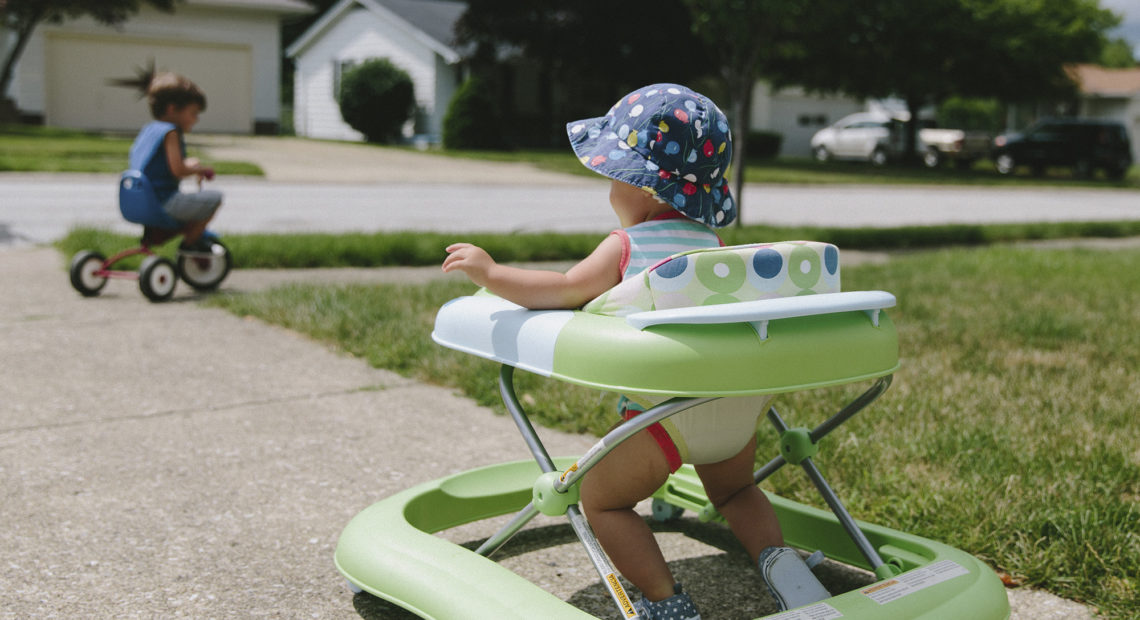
(376, 99)
(587, 53)
(1117, 54)
(22, 16)
(745, 37)
(923, 52)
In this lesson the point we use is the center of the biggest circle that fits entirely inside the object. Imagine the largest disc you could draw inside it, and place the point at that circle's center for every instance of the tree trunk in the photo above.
(23, 34)
(910, 144)
(741, 93)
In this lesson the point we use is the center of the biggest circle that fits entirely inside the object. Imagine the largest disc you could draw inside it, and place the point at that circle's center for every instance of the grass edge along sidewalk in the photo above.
(1009, 432)
(405, 248)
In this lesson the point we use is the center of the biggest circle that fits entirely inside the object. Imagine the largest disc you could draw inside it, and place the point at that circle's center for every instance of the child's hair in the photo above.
(170, 88)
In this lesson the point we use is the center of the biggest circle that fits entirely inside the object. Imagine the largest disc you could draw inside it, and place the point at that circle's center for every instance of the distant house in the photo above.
(415, 35)
(1110, 94)
(797, 115)
(231, 48)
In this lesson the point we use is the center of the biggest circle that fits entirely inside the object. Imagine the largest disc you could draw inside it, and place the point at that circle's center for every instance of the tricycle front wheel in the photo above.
(205, 270)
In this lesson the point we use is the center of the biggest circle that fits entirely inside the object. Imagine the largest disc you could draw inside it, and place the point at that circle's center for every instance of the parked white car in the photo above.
(877, 138)
(857, 136)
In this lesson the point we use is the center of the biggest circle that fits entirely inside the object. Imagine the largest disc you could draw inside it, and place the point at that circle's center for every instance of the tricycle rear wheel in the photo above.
(84, 268)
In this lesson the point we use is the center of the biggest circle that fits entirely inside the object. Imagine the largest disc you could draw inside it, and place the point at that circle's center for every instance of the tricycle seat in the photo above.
(139, 203)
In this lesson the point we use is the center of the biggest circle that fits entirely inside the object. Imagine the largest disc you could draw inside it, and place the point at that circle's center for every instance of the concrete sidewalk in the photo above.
(173, 460)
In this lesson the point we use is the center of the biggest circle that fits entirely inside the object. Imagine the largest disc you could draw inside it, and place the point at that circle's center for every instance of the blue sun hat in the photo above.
(668, 140)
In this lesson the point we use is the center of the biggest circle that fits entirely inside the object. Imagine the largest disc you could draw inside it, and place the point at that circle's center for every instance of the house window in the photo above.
(340, 67)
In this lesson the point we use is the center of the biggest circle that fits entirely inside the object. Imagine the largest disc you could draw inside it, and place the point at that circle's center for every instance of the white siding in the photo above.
(358, 35)
(1121, 109)
(797, 115)
(260, 32)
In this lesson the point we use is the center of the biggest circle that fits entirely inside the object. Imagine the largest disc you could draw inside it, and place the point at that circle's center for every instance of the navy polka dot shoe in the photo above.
(676, 607)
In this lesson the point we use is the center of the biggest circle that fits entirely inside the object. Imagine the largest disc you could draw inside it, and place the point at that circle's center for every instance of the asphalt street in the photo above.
(40, 208)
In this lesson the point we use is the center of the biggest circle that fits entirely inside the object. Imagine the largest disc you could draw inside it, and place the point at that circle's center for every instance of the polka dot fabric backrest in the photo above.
(726, 275)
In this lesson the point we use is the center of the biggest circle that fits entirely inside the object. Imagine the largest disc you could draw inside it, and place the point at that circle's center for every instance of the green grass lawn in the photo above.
(307, 250)
(1010, 431)
(44, 149)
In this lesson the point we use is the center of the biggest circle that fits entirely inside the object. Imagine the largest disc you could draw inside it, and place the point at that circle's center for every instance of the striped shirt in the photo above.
(648, 243)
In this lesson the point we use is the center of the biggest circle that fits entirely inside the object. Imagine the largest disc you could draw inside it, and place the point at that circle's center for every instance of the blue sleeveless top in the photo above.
(648, 243)
(148, 157)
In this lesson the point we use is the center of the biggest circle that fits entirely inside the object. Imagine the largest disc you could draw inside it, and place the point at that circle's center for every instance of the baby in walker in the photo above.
(666, 149)
(159, 152)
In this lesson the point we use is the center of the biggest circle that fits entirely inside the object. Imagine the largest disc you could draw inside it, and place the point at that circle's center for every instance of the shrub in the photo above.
(377, 98)
(971, 114)
(764, 144)
(472, 120)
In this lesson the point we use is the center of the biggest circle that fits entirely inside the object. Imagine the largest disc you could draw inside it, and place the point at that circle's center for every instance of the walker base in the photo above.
(388, 550)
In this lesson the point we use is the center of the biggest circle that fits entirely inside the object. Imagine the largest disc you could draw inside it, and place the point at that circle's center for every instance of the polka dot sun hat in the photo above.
(668, 140)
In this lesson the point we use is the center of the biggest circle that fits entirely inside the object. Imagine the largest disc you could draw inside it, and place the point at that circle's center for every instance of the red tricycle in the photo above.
(203, 268)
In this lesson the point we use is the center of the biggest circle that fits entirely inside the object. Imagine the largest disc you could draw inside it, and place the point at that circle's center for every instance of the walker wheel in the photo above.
(157, 278)
(353, 587)
(664, 511)
(84, 266)
(205, 271)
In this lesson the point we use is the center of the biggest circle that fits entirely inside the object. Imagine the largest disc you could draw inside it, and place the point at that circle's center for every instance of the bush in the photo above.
(377, 98)
(971, 114)
(472, 120)
(764, 144)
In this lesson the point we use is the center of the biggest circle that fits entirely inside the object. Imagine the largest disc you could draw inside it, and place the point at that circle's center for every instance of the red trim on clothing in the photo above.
(625, 251)
(661, 436)
(671, 214)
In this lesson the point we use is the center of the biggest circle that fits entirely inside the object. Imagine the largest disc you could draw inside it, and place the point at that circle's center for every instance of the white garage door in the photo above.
(79, 67)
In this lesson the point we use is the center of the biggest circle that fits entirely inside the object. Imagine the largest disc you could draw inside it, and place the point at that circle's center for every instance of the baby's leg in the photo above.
(629, 474)
(750, 515)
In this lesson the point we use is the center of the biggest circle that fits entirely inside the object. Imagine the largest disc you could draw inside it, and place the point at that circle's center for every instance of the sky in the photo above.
(1129, 29)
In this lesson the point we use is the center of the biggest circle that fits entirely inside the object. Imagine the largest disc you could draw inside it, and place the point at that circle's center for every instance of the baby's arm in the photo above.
(540, 290)
(180, 167)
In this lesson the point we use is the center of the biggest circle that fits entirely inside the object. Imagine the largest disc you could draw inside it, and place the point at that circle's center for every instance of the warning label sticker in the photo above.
(913, 581)
(818, 611)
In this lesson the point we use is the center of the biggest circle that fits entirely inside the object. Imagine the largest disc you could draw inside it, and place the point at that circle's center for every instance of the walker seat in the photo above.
(744, 320)
(157, 276)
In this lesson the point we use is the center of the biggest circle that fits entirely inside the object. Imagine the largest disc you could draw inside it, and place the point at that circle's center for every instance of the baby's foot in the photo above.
(676, 607)
(789, 579)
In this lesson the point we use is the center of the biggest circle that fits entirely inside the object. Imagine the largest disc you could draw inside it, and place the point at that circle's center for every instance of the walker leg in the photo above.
(507, 391)
(833, 502)
(501, 537)
(601, 562)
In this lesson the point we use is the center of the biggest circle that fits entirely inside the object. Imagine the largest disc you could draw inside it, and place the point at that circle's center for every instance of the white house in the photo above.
(414, 35)
(230, 48)
(1112, 94)
(797, 115)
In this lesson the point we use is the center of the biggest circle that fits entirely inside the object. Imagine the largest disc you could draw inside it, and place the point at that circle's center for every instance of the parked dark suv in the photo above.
(1083, 144)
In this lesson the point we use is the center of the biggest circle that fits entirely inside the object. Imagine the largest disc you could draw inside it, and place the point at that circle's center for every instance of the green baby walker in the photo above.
(774, 317)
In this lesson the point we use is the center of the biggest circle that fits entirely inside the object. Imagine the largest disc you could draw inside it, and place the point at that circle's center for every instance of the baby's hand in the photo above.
(471, 260)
